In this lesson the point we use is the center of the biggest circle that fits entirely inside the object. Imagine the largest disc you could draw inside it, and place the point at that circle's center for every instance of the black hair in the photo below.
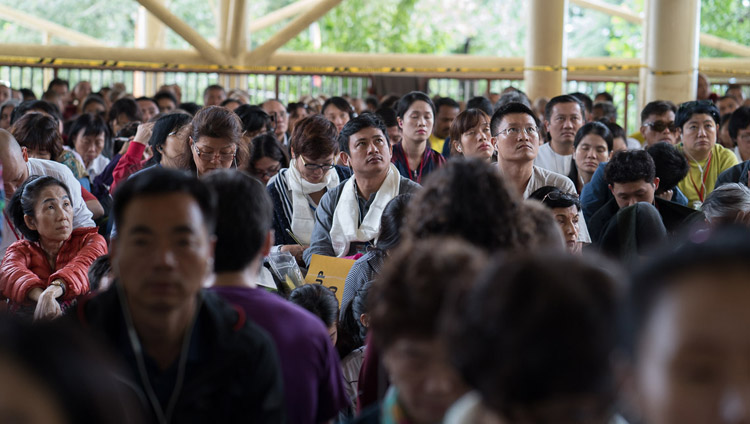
(158, 181)
(253, 118)
(293, 106)
(266, 146)
(609, 111)
(24, 199)
(340, 103)
(585, 99)
(444, 101)
(388, 115)
(671, 166)
(319, 300)
(695, 107)
(565, 98)
(94, 98)
(71, 368)
(657, 107)
(100, 268)
(90, 124)
(356, 125)
(30, 105)
(630, 165)
(27, 93)
(482, 103)
(596, 128)
(125, 106)
(150, 99)
(391, 222)
(405, 102)
(606, 96)
(190, 107)
(57, 81)
(536, 328)
(725, 250)
(740, 120)
(165, 95)
(360, 307)
(352, 333)
(244, 216)
(164, 125)
(213, 87)
(230, 100)
(513, 96)
(553, 197)
(616, 130)
(510, 109)
(372, 102)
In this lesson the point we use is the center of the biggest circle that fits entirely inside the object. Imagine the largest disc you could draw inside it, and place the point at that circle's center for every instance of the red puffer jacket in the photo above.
(25, 265)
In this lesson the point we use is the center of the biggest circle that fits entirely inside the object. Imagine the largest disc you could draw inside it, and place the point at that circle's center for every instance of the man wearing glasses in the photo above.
(276, 110)
(516, 132)
(657, 122)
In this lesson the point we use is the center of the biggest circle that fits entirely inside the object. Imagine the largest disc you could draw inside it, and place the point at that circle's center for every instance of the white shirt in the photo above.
(541, 177)
(97, 166)
(737, 153)
(552, 161)
(82, 216)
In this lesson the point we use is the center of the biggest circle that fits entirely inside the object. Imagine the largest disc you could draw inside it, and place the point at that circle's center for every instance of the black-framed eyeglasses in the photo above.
(312, 167)
(209, 156)
(270, 172)
(660, 126)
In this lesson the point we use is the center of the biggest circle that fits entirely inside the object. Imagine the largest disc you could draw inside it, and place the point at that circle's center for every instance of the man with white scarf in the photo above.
(347, 219)
(297, 190)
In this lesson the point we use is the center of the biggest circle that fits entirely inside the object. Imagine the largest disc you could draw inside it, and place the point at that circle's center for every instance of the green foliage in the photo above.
(728, 19)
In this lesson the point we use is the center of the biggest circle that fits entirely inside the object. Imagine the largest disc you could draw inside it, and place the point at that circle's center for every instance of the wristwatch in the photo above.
(59, 284)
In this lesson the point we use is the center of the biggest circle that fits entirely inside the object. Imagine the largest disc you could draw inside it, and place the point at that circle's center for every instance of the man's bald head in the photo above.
(13, 159)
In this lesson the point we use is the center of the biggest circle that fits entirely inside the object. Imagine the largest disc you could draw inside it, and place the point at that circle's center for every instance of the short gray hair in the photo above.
(726, 201)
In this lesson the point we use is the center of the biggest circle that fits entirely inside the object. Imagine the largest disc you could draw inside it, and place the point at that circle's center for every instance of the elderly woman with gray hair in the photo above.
(729, 203)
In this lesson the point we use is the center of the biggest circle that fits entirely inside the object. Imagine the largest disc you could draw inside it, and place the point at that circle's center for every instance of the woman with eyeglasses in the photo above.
(565, 208)
(592, 145)
(296, 190)
(216, 140)
(267, 158)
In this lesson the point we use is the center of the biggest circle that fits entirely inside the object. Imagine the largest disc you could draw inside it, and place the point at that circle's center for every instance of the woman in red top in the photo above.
(48, 270)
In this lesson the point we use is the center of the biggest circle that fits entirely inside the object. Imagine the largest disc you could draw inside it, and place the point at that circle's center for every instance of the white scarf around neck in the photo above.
(346, 227)
(303, 220)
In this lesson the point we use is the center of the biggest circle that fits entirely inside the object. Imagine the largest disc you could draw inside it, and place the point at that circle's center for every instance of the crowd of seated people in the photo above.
(510, 260)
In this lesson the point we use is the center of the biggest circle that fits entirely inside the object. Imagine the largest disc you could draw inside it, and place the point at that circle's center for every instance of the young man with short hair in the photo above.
(447, 110)
(348, 217)
(313, 384)
(563, 117)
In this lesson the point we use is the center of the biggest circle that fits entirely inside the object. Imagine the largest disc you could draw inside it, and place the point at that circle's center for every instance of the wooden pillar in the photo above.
(546, 44)
(149, 33)
(672, 34)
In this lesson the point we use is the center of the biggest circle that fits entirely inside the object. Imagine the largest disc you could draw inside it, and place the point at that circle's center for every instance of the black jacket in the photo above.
(232, 372)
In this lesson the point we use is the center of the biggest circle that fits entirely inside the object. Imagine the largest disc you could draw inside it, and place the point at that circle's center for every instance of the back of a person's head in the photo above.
(159, 181)
(629, 166)
(723, 205)
(71, 377)
(244, 215)
(124, 106)
(539, 228)
(406, 299)
(319, 300)
(537, 328)
(670, 165)
(253, 118)
(482, 103)
(388, 115)
(38, 132)
(468, 199)
(657, 107)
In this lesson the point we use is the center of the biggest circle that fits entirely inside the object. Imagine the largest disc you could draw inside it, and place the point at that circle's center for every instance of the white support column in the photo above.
(672, 34)
(545, 47)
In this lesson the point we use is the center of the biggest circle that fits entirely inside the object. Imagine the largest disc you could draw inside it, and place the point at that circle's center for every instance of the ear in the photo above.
(365, 320)
(611, 189)
(400, 123)
(25, 154)
(344, 158)
(30, 222)
(546, 127)
(643, 131)
(656, 183)
(292, 152)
